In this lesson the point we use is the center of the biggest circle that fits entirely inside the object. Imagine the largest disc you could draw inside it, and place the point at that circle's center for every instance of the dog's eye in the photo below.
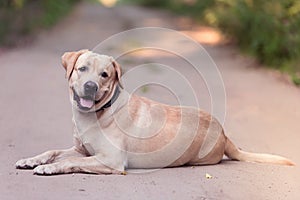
(104, 74)
(82, 69)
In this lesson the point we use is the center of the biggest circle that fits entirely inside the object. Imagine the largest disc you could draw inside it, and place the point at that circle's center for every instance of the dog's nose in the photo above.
(90, 88)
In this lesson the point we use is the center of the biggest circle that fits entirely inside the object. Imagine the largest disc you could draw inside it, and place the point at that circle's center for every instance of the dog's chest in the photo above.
(84, 123)
(88, 131)
(94, 136)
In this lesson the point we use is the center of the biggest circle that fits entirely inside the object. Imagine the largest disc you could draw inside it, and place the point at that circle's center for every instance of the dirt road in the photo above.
(263, 115)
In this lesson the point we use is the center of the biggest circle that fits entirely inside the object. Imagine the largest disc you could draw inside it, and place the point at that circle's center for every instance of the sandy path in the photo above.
(263, 115)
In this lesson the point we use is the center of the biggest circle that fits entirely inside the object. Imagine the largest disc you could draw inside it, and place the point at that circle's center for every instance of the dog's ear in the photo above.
(118, 71)
(69, 60)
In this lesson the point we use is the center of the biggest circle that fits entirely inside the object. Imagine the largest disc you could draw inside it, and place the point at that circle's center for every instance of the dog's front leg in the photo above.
(49, 157)
(76, 165)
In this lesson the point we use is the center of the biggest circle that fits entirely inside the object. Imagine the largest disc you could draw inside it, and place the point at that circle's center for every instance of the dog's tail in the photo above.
(234, 153)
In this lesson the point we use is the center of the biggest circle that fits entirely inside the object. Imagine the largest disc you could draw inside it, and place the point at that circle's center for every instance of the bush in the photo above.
(19, 18)
(268, 29)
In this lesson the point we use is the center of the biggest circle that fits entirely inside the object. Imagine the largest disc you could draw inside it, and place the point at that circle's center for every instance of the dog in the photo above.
(115, 131)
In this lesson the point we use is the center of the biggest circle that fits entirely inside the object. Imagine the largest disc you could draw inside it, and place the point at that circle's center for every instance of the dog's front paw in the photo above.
(28, 163)
(45, 169)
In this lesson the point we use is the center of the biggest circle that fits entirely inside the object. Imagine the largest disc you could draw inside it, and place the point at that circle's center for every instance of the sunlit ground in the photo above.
(108, 3)
(206, 35)
(203, 35)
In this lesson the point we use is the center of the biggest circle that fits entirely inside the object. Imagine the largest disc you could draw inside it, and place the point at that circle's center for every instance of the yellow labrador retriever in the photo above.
(114, 130)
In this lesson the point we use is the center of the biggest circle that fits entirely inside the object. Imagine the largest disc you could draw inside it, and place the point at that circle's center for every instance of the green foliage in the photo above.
(19, 18)
(269, 30)
(296, 79)
(54, 9)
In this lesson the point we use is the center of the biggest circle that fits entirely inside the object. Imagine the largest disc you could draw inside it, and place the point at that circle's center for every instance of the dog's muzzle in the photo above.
(87, 101)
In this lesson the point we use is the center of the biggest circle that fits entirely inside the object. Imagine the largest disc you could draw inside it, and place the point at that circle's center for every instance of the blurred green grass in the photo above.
(20, 18)
(268, 30)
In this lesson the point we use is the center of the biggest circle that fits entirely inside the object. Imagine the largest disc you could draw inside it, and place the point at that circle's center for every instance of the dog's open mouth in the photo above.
(85, 102)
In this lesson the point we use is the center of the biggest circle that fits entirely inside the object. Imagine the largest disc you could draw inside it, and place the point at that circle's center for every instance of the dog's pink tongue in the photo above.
(86, 103)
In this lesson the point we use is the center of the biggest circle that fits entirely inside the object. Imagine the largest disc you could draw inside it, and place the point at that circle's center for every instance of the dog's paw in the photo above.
(28, 163)
(45, 169)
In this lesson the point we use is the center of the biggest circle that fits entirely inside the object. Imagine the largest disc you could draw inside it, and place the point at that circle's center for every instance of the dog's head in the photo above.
(93, 79)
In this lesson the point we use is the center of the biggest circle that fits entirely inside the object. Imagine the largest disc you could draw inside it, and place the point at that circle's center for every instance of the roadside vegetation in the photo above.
(267, 30)
(20, 18)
